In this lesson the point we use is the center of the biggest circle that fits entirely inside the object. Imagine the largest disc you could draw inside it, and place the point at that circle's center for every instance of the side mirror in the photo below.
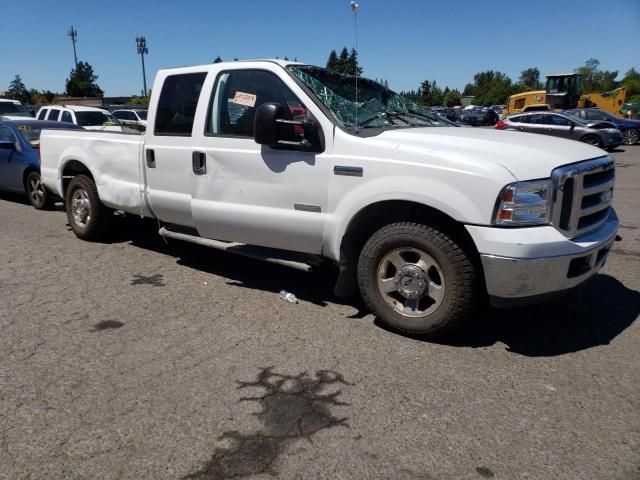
(272, 126)
(4, 145)
(572, 124)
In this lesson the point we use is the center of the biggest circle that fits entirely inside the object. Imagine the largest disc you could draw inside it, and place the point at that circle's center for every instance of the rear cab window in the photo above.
(53, 114)
(66, 117)
(42, 114)
(177, 104)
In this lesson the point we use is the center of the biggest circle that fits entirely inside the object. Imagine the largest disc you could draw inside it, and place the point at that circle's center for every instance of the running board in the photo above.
(299, 261)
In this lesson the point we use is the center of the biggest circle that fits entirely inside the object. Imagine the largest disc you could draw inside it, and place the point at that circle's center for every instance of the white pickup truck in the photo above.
(292, 163)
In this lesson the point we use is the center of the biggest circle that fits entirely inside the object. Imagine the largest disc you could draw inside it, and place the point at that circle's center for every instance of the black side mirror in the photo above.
(272, 125)
(4, 145)
(572, 124)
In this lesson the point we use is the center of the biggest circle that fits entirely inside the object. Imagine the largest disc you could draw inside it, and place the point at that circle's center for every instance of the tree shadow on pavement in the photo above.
(593, 315)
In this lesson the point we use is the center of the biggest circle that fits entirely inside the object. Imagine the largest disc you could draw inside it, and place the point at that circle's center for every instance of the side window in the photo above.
(130, 116)
(42, 114)
(66, 117)
(53, 114)
(558, 120)
(6, 135)
(177, 104)
(591, 115)
(516, 119)
(535, 118)
(237, 95)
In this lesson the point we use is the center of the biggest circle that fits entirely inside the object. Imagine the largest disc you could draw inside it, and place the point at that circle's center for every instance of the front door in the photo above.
(251, 193)
(168, 146)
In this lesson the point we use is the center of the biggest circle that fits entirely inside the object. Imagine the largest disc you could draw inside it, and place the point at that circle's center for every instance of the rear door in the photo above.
(169, 145)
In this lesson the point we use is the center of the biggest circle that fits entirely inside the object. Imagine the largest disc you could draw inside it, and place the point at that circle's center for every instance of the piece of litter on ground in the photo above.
(206, 283)
(551, 388)
(289, 297)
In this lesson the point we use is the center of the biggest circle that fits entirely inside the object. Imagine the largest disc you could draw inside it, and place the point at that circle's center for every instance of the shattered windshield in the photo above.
(373, 106)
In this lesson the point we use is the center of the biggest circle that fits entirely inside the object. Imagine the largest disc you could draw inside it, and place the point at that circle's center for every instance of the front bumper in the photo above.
(541, 263)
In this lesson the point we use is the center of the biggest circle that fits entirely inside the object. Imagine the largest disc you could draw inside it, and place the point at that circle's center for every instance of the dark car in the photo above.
(599, 134)
(630, 128)
(479, 116)
(20, 160)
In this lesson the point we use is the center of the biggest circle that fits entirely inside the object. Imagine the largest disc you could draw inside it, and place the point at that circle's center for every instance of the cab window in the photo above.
(237, 96)
(66, 117)
(53, 114)
(42, 114)
(177, 104)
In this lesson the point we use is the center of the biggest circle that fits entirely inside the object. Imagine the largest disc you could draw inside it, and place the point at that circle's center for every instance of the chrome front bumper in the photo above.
(518, 281)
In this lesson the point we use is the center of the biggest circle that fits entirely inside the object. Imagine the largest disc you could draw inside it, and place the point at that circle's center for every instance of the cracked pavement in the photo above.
(140, 359)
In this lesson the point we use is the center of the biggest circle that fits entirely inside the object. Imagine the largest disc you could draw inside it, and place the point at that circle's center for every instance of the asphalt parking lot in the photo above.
(138, 359)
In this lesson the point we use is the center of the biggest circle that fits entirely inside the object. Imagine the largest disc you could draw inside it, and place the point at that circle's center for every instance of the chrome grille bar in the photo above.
(582, 195)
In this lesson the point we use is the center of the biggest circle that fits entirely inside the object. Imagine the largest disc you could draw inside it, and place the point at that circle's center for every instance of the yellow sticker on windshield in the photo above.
(24, 128)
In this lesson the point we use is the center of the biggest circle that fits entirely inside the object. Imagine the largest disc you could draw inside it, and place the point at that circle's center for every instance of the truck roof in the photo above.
(279, 61)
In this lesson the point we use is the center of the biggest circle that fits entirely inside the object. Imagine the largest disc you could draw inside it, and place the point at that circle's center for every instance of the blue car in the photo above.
(20, 159)
(630, 128)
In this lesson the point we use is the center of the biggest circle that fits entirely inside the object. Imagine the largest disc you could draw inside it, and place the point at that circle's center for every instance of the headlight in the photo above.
(524, 203)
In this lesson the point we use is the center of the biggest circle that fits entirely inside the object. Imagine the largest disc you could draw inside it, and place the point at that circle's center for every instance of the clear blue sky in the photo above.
(403, 41)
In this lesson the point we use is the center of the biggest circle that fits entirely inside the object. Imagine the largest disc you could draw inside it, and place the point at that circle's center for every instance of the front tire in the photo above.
(417, 280)
(36, 191)
(630, 136)
(88, 217)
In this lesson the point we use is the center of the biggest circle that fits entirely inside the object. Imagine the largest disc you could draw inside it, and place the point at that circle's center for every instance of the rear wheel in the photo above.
(87, 215)
(418, 280)
(36, 191)
(630, 136)
(592, 140)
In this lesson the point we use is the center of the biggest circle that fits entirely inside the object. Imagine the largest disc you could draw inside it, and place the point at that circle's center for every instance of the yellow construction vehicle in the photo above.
(561, 93)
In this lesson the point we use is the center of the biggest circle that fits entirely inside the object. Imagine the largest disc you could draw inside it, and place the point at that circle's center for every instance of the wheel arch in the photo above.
(69, 169)
(376, 215)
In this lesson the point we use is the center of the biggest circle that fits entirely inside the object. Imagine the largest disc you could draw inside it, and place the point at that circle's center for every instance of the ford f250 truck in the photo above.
(294, 164)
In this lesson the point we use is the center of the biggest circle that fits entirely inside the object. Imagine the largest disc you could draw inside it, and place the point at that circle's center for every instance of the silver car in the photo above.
(598, 133)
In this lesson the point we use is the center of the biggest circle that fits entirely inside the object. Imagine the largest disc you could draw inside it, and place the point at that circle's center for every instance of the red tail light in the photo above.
(500, 125)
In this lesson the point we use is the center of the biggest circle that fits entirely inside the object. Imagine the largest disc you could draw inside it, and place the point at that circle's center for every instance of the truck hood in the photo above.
(526, 155)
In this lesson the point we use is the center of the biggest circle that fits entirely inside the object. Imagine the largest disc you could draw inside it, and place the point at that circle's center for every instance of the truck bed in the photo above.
(114, 160)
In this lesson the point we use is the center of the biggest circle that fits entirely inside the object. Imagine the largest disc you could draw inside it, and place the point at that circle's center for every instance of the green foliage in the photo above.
(451, 98)
(18, 91)
(491, 88)
(143, 101)
(82, 82)
(631, 81)
(530, 79)
(346, 63)
(594, 80)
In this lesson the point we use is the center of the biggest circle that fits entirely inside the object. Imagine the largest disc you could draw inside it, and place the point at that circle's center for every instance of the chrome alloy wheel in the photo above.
(81, 208)
(630, 137)
(36, 190)
(411, 282)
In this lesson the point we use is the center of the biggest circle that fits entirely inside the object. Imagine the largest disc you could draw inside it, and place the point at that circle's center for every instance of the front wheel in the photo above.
(36, 191)
(592, 140)
(630, 136)
(418, 280)
(88, 217)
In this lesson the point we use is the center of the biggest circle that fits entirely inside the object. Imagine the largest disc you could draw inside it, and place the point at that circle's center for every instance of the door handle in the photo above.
(199, 163)
(151, 159)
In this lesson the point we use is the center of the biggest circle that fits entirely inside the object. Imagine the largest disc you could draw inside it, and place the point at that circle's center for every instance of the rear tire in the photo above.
(630, 136)
(592, 140)
(88, 217)
(38, 195)
(417, 280)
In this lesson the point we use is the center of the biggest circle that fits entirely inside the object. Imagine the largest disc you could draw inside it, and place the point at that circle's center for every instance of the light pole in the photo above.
(73, 34)
(141, 43)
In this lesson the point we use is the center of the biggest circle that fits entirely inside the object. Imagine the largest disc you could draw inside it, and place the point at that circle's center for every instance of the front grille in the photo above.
(582, 195)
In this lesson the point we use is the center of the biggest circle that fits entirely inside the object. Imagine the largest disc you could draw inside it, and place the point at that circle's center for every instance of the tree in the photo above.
(468, 90)
(452, 98)
(631, 82)
(343, 61)
(491, 88)
(332, 61)
(82, 82)
(217, 59)
(530, 79)
(594, 80)
(352, 65)
(18, 91)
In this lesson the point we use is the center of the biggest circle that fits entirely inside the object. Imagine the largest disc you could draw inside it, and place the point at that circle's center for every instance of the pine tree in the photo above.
(332, 61)
(353, 66)
(82, 82)
(343, 61)
(18, 91)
